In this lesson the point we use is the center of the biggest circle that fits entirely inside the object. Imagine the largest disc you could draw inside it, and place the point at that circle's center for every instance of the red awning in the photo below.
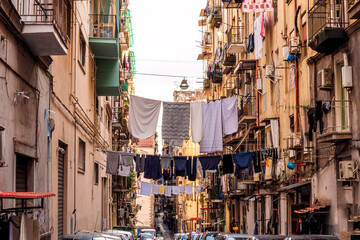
(312, 208)
(25, 195)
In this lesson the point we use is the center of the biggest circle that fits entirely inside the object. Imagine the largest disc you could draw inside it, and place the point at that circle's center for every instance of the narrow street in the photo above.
(167, 234)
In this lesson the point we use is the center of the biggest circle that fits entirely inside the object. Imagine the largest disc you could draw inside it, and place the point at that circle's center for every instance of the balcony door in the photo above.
(342, 102)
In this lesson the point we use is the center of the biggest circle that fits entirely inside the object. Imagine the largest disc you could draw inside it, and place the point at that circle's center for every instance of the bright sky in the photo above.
(166, 41)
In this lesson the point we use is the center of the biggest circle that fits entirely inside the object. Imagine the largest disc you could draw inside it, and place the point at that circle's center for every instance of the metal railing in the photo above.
(207, 40)
(236, 34)
(325, 15)
(103, 26)
(247, 107)
(352, 3)
(42, 12)
(338, 118)
(216, 12)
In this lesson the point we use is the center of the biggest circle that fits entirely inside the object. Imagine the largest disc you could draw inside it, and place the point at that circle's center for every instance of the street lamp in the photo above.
(184, 84)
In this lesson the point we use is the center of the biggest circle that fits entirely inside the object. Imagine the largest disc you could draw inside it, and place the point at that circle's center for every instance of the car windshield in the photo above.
(149, 233)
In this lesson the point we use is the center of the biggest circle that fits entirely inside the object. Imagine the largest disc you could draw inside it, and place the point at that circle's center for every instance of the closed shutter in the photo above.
(60, 193)
(21, 174)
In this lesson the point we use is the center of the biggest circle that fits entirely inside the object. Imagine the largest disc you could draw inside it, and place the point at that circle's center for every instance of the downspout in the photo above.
(73, 68)
(297, 112)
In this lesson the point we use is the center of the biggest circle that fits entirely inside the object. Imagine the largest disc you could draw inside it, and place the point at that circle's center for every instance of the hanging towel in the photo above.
(123, 170)
(212, 131)
(175, 121)
(258, 42)
(180, 166)
(196, 121)
(127, 159)
(228, 164)
(229, 115)
(182, 189)
(243, 160)
(175, 190)
(112, 162)
(145, 189)
(143, 116)
(161, 190)
(165, 162)
(140, 163)
(168, 191)
(188, 190)
(155, 189)
(191, 169)
(152, 167)
(209, 163)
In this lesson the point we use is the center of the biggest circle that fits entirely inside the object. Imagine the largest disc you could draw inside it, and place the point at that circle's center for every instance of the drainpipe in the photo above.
(297, 89)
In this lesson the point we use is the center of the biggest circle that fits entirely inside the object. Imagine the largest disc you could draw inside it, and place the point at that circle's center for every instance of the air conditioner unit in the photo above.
(347, 170)
(270, 72)
(324, 77)
(259, 85)
(346, 72)
(285, 52)
(294, 45)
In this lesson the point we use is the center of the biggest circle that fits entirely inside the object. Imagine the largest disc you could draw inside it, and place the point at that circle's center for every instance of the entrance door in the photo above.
(61, 165)
(104, 203)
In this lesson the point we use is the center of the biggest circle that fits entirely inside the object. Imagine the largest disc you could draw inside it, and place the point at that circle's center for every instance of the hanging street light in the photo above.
(184, 84)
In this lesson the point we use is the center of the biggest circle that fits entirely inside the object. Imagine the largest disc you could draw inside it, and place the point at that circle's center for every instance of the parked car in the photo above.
(209, 236)
(128, 235)
(231, 236)
(312, 237)
(199, 236)
(145, 236)
(150, 231)
(267, 237)
(194, 236)
(86, 235)
(177, 236)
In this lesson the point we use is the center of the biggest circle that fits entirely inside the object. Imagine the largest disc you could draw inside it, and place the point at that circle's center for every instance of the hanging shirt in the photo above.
(258, 42)
(228, 164)
(140, 163)
(209, 163)
(143, 116)
(152, 167)
(212, 130)
(180, 166)
(229, 115)
(112, 162)
(243, 160)
(196, 121)
(191, 169)
(165, 162)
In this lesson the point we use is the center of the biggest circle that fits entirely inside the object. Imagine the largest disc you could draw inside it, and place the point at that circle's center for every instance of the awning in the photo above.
(222, 220)
(25, 195)
(312, 208)
(292, 186)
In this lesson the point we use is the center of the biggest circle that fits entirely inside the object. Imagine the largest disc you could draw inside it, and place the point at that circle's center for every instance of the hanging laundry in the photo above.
(127, 159)
(161, 190)
(228, 164)
(175, 190)
(182, 189)
(209, 163)
(212, 130)
(188, 190)
(326, 107)
(268, 168)
(152, 167)
(167, 176)
(123, 170)
(124, 63)
(143, 116)
(155, 189)
(199, 167)
(257, 162)
(264, 22)
(312, 123)
(180, 166)
(165, 162)
(168, 191)
(129, 62)
(251, 6)
(176, 121)
(112, 162)
(258, 42)
(243, 160)
(229, 115)
(191, 169)
(146, 188)
(140, 163)
(196, 121)
(250, 46)
(319, 115)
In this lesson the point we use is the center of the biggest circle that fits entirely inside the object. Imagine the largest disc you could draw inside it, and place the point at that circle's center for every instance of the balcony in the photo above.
(236, 40)
(103, 36)
(46, 25)
(229, 58)
(232, 3)
(216, 17)
(336, 123)
(124, 41)
(216, 74)
(207, 42)
(206, 84)
(326, 26)
(354, 9)
(247, 111)
(108, 77)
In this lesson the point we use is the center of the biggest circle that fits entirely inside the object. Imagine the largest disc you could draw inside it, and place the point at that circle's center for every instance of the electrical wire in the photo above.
(166, 75)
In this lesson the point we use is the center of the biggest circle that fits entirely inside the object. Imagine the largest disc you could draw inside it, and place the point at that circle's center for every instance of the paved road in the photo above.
(168, 235)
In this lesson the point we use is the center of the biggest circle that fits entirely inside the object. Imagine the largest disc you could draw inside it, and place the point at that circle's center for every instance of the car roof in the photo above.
(236, 235)
(118, 231)
(86, 235)
(315, 236)
(268, 236)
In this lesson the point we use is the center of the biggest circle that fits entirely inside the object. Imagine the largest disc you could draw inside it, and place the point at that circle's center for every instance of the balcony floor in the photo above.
(328, 40)
(105, 48)
(334, 137)
(236, 48)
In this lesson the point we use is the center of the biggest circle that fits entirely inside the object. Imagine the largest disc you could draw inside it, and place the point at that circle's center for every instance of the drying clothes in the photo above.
(14, 227)
(165, 162)
(182, 189)
(167, 174)
(152, 167)
(250, 46)
(112, 162)
(264, 21)
(176, 142)
(127, 159)
(199, 167)
(176, 121)
(155, 189)
(319, 115)
(243, 160)
(209, 163)
(175, 190)
(143, 116)
(212, 131)
(168, 191)
(326, 107)
(257, 6)
(268, 168)
(258, 42)
(199, 189)
(196, 121)
(229, 113)
(140, 163)
(123, 170)
(228, 164)
(311, 120)
(180, 166)
(146, 188)
(188, 190)
(161, 190)
(191, 169)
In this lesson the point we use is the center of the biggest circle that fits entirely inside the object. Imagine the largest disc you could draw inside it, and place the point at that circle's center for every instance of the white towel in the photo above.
(189, 190)
(175, 190)
(229, 115)
(213, 137)
(258, 41)
(146, 188)
(196, 121)
(168, 191)
(143, 116)
(155, 189)
(182, 189)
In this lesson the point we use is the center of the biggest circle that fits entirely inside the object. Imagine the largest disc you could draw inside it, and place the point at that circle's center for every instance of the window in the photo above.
(292, 123)
(1, 142)
(97, 105)
(96, 173)
(82, 49)
(81, 162)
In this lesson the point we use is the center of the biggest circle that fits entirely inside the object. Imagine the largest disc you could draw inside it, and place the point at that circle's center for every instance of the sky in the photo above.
(167, 41)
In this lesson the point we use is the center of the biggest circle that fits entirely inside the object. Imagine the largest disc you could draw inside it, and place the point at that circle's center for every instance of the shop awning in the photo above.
(216, 223)
(25, 195)
(292, 186)
(312, 208)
